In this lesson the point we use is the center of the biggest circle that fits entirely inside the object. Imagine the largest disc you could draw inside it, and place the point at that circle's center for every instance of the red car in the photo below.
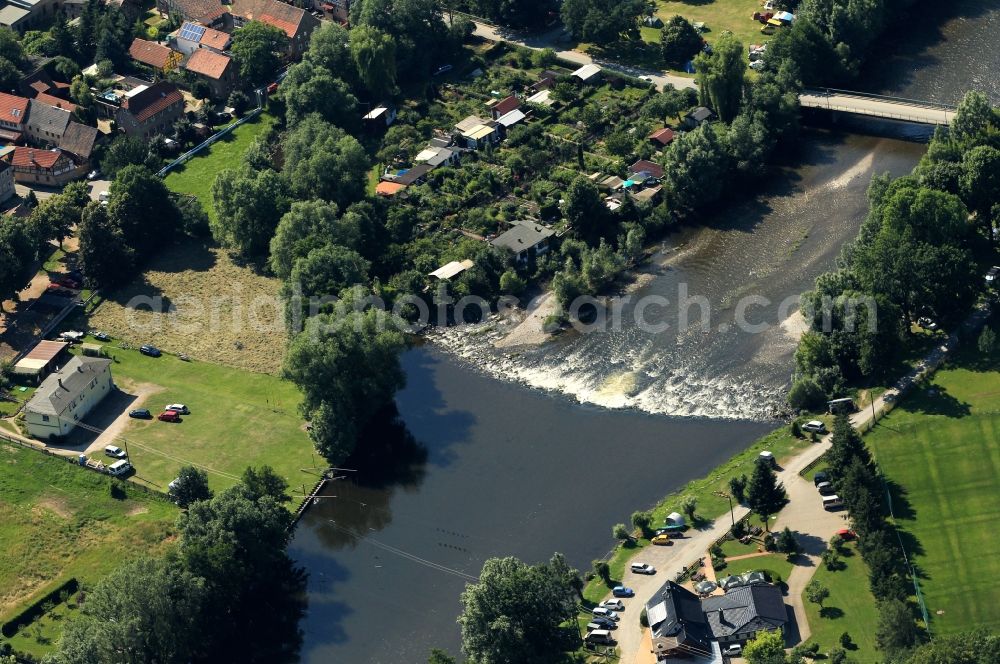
(169, 416)
(847, 535)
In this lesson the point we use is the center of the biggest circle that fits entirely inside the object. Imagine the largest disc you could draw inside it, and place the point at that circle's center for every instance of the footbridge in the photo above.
(878, 106)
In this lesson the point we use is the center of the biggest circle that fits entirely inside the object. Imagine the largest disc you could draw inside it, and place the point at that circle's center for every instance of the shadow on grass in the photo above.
(935, 400)
(902, 508)
(831, 612)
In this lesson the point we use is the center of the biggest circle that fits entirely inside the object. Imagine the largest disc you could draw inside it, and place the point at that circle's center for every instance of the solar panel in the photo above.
(192, 32)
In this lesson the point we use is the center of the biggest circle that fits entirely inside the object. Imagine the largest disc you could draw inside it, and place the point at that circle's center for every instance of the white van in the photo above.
(599, 636)
(119, 468)
(832, 502)
(114, 451)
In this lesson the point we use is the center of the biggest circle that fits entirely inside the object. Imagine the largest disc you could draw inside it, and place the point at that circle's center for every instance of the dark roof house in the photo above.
(151, 110)
(745, 610)
(525, 239)
(46, 123)
(79, 140)
(677, 622)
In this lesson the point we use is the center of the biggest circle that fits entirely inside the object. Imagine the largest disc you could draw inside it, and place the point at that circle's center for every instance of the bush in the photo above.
(643, 619)
(796, 429)
(620, 532)
(806, 394)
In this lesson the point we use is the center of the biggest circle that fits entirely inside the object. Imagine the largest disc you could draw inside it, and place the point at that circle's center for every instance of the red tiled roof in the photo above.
(214, 39)
(662, 136)
(507, 105)
(13, 108)
(389, 188)
(52, 100)
(25, 157)
(280, 23)
(650, 167)
(40, 86)
(150, 53)
(208, 63)
(154, 99)
(281, 15)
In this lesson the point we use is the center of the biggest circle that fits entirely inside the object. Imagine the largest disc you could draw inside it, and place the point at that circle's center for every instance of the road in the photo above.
(552, 39)
(879, 108)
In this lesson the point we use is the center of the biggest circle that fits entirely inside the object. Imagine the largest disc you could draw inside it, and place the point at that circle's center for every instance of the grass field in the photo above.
(850, 608)
(215, 310)
(59, 521)
(718, 16)
(237, 419)
(197, 175)
(775, 564)
(940, 450)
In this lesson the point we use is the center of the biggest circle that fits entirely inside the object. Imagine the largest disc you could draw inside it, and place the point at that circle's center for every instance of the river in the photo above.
(618, 418)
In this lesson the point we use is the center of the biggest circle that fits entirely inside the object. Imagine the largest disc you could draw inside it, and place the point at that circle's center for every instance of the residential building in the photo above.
(157, 56)
(13, 115)
(504, 106)
(526, 240)
(6, 181)
(78, 142)
(298, 24)
(41, 359)
(22, 15)
(477, 131)
(380, 117)
(46, 124)
(698, 117)
(152, 110)
(66, 396)
(58, 102)
(662, 137)
(132, 9)
(415, 175)
(216, 69)
(682, 624)
(52, 168)
(193, 36)
(508, 120)
(650, 168)
(437, 156)
(212, 13)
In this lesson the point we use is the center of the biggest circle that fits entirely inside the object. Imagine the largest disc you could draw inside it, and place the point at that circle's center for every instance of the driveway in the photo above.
(551, 40)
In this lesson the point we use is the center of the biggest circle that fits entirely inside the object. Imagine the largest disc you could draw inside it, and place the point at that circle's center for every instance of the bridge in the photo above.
(889, 108)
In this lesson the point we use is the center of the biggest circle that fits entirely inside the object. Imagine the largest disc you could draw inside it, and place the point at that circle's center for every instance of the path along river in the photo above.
(621, 417)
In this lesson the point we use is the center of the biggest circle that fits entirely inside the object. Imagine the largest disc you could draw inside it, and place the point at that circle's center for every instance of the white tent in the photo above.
(675, 520)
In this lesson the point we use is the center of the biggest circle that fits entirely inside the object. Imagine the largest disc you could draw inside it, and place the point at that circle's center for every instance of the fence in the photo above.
(225, 131)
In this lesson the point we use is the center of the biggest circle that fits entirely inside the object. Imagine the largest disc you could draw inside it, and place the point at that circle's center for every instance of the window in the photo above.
(45, 418)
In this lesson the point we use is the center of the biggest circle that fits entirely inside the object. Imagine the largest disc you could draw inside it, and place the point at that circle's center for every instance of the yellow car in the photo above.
(662, 540)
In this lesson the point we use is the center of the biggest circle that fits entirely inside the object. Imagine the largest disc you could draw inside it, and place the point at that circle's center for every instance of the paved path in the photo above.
(552, 39)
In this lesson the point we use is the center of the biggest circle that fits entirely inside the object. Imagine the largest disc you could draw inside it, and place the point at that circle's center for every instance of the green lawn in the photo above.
(197, 175)
(850, 608)
(59, 521)
(940, 450)
(718, 16)
(237, 419)
(775, 564)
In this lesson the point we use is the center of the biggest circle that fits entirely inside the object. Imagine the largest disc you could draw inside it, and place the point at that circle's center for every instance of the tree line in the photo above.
(920, 253)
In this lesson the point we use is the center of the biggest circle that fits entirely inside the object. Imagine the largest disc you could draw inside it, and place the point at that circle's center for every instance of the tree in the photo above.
(972, 118)
(515, 612)
(306, 226)
(309, 89)
(329, 50)
(720, 75)
(192, 216)
(602, 21)
(602, 570)
(348, 369)
(987, 341)
(257, 49)
(679, 41)
(688, 505)
(831, 558)
(896, 630)
(620, 532)
(263, 481)
(140, 205)
(322, 161)
(55, 217)
(845, 446)
(190, 486)
(146, 609)
(440, 657)
(18, 252)
(324, 272)
(806, 394)
(585, 211)
(980, 184)
(374, 55)
(765, 648)
(511, 282)
(787, 543)
(817, 593)
(738, 487)
(670, 103)
(124, 151)
(105, 258)
(765, 495)
(248, 205)
(695, 168)
(239, 102)
(642, 521)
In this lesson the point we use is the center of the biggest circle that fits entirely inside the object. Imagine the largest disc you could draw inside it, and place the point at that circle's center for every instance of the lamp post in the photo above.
(723, 494)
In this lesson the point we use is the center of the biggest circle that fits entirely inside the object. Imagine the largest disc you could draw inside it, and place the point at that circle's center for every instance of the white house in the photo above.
(67, 395)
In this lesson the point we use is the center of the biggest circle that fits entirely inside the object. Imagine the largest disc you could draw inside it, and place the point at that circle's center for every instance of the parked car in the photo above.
(152, 351)
(622, 591)
(104, 196)
(140, 414)
(599, 636)
(115, 452)
(663, 539)
(604, 623)
(814, 426)
(94, 174)
(847, 534)
(734, 650)
(821, 476)
(101, 336)
(119, 468)
(642, 568)
(648, 79)
(890, 397)
(169, 416)
(179, 407)
(601, 612)
(825, 488)
(613, 604)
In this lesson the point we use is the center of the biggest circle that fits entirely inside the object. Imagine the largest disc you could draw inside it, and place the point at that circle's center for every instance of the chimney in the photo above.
(60, 383)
